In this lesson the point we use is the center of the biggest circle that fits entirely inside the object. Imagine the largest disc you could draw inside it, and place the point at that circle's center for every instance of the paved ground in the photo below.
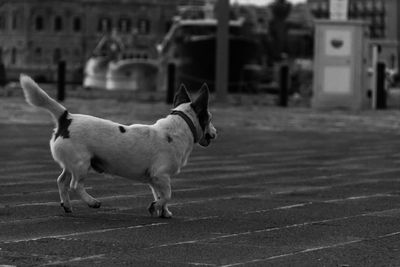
(287, 196)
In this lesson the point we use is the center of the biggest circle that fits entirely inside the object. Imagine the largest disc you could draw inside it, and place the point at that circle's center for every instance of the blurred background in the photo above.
(145, 46)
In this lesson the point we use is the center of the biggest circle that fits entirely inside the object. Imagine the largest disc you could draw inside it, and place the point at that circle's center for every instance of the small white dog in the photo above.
(148, 153)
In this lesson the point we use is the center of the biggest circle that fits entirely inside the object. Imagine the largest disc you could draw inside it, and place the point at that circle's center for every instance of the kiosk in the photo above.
(340, 65)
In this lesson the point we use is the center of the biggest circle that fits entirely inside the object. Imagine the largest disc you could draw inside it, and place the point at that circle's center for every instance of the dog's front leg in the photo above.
(161, 187)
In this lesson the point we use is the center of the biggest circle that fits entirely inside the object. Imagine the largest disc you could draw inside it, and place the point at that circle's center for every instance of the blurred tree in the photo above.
(278, 27)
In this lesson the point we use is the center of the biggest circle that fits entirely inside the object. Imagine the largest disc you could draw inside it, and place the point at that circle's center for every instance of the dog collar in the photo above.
(188, 121)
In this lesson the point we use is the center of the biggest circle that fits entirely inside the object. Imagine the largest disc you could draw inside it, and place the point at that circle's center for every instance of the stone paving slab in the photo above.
(296, 192)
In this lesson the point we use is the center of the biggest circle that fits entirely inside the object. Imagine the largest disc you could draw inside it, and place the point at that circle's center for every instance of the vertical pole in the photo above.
(380, 86)
(283, 84)
(398, 27)
(375, 54)
(3, 76)
(222, 52)
(170, 83)
(61, 81)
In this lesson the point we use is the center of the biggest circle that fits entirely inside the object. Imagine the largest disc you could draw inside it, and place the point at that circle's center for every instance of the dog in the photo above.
(147, 153)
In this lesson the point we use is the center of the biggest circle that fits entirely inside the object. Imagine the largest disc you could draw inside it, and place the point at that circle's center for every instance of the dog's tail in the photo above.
(35, 96)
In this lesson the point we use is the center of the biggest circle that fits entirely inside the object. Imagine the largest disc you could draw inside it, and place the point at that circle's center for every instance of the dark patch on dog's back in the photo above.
(97, 164)
(63, 124)
(169, 138)
(122, 129)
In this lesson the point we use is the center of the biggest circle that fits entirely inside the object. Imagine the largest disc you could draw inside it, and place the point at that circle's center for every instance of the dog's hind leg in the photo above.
(91, 201)
(62, 182)
(162, 186)
(77, 184)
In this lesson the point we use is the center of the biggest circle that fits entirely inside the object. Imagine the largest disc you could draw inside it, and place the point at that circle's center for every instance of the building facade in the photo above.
(36, 34)
(383, 18)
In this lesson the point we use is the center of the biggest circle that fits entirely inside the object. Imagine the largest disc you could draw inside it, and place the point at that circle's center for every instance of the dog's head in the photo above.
(199, 108)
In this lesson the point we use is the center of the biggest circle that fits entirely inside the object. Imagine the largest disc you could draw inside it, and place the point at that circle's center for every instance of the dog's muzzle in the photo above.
(207, 139)
(210, 136)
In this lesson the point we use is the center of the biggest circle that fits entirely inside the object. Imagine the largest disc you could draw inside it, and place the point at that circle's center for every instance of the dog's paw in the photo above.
(152, 209)
(165, 214)
(96, 205)
(66, 209)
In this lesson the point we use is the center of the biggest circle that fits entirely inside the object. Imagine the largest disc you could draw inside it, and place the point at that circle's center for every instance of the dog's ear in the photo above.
(200, 105)
(182, 96)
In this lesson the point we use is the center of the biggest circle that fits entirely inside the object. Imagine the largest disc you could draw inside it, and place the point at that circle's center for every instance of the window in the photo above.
(14, 20)
(38, 53)
(77, 25)
(77, 52)
(143, 26)
(13, 56)
(124, 25)
(57, 55)
(104, 25)
(39, 23)
(2, 22)
(58, 24)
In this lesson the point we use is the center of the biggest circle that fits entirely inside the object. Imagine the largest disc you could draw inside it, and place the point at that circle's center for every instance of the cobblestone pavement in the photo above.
(283, 194)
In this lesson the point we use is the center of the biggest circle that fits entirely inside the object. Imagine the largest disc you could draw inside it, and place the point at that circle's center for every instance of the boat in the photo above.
(108, 68)
(191, 46)
(132, 74)
(95, 72)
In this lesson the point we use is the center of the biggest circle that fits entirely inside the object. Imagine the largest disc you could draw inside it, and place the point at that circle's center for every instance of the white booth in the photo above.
(340, 65)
